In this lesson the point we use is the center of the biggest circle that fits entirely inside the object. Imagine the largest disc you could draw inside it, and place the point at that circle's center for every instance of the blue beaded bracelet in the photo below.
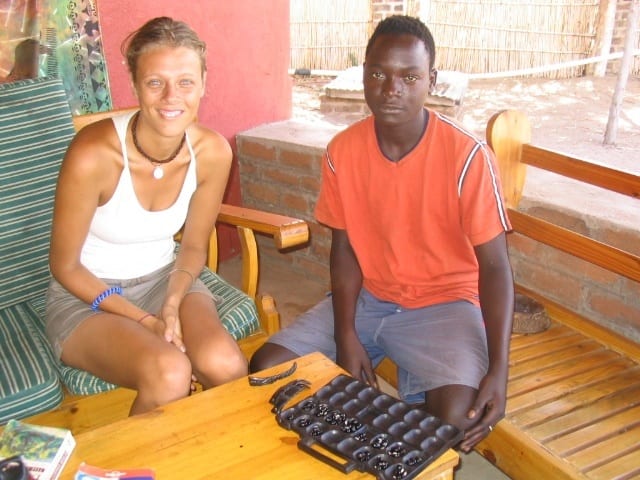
(109, 291)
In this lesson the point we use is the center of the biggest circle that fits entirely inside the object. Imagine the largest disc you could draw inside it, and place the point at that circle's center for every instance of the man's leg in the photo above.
(441, 350)
(451, 404)
(311, 332)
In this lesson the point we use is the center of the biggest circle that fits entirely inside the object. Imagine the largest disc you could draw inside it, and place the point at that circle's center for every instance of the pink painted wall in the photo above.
(247, 62)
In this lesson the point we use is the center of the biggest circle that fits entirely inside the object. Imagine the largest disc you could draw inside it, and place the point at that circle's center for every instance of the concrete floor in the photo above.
(294, 295)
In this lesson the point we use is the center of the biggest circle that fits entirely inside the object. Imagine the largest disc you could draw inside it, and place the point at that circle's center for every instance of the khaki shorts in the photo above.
(433, 346)
(64, 311)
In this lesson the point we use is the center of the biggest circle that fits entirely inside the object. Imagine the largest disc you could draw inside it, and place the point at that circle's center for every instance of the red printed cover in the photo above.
(89, 472)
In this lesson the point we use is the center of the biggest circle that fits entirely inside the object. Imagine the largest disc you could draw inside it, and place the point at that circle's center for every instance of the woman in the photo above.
(121, 305)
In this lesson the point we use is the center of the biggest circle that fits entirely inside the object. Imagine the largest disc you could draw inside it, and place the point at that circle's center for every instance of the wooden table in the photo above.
(227, 432)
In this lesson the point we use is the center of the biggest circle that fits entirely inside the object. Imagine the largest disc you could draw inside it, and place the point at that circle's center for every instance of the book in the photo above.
(89, 472)
(44, 450)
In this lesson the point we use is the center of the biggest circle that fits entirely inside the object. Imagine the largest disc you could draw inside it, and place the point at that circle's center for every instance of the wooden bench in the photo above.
(573, 398)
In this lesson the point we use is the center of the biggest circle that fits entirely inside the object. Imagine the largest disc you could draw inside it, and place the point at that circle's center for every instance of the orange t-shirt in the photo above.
(413, 223)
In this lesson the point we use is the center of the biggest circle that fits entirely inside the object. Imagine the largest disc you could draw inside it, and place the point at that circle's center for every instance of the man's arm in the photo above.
(346, 282)
(496, 301)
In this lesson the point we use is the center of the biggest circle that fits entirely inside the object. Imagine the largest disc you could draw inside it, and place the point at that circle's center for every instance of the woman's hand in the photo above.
(170, 332)
(173, 329)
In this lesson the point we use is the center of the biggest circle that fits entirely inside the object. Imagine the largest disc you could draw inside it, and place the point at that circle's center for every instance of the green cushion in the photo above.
(237, 310)
(28, 379)
(35, 130)
(77, 381)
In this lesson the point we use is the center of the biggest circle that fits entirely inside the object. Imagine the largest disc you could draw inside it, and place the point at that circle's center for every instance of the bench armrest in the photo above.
(286, 232)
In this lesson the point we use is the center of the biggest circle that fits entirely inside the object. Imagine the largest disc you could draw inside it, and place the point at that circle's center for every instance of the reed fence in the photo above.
(472, 36)
(329, 34)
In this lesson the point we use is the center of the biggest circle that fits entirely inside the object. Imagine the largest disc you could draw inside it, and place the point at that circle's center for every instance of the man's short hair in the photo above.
(405, 25)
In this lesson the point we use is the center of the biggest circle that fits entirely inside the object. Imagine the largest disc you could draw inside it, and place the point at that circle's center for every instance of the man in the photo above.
(419, 265)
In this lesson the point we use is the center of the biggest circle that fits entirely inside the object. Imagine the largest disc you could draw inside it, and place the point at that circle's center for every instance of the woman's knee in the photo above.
(220, 365)
(167, 377)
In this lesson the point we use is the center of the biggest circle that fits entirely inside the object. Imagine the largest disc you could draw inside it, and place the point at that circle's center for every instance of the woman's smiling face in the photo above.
(169, 85)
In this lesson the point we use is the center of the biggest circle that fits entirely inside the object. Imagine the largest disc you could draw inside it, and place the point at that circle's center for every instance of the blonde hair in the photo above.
(157, 32)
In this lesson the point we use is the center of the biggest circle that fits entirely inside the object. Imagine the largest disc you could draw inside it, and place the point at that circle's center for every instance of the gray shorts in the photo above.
(64, 311)
(443, 344)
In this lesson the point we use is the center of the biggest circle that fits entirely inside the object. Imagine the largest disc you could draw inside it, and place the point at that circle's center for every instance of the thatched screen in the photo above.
(481, 36)
(329, 34)
(472, 36)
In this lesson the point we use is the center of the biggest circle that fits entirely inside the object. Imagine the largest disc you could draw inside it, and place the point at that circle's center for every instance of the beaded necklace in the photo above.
(158, 172)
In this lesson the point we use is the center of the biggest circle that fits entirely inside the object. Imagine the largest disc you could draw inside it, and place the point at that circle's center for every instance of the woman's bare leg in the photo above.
(215, 356)
(125, 353)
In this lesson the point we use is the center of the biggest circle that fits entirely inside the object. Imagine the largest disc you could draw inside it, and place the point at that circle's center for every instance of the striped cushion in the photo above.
(237, 310)
(77, 381)
(35, 129)
(28, 380)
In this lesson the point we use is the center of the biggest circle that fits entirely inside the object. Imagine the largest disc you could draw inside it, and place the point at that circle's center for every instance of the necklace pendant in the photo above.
(158, 173)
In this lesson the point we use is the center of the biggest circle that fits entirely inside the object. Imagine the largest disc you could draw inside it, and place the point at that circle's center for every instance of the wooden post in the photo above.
(623, 75)
(604, 35)
(506, 132)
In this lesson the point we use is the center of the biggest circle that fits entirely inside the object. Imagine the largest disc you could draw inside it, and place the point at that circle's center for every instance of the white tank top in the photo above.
(127, 241)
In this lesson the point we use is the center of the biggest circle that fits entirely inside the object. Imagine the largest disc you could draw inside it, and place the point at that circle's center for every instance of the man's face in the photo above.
(397, 78)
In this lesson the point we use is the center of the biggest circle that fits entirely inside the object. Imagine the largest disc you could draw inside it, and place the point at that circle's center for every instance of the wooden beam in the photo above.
(582, 170)
(598, 253)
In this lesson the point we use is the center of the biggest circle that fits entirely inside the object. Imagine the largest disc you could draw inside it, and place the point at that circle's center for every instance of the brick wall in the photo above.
(623, 10)
(383, 8)
(280, 172)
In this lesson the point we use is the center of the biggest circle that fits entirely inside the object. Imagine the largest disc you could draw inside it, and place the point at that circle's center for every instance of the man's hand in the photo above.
(488, 409)
(352, 356)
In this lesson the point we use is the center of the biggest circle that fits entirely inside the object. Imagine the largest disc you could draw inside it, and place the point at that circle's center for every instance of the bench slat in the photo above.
(625, 467)
(598, 253)
(558, 389)
(553, 358)
(556, 330)
(537, 350)
(608, 451)
(595, 432)
(575, 400)
(551, 375)
(582, 170)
